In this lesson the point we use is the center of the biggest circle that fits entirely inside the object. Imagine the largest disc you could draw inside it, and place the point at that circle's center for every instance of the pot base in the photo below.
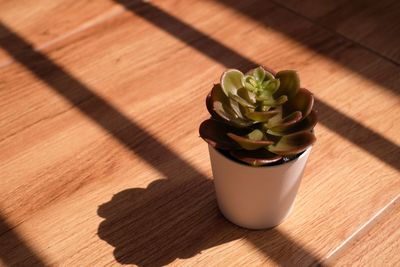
(255, 227)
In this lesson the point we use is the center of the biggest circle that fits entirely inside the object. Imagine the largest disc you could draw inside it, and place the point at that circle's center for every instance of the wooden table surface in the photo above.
(100, 103)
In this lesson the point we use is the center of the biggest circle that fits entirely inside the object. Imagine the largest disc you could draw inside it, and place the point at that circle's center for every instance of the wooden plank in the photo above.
(45, 21)
(85, 186)
(379, 246)
(373, 24)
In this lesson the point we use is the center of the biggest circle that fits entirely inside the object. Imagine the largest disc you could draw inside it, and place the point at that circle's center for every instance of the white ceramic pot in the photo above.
(256, 197)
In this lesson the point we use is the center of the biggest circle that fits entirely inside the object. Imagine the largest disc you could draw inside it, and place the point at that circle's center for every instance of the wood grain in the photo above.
(45, 22)
(101, 163)
(373, 24)
(378, 245)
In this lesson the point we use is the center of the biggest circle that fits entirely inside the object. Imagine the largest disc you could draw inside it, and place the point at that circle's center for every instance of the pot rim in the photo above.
(267, 166)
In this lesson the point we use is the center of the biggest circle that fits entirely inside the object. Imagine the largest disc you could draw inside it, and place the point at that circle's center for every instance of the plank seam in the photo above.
(394, 62)
(355, 236)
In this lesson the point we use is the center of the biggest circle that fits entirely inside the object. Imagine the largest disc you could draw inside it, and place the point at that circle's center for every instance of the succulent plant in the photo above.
(260, 117)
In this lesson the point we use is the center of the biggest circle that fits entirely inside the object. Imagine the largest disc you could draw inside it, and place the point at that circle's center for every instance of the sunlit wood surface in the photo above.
(100, 159)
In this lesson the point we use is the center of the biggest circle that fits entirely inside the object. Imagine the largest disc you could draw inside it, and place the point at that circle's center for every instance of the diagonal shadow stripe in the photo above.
(184, 32)
(330, 22)
(13, 241)
(89, 103)
(132, 136)
(367, 139)
(320, 39)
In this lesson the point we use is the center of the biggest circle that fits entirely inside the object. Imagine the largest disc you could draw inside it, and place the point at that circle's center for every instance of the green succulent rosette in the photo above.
(260, 117)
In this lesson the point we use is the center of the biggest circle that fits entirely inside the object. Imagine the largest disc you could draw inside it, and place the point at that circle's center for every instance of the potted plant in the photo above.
(260, 135)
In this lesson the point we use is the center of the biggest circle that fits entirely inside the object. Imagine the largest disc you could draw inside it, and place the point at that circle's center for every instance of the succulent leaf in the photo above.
(221, 109)
(306, 124)
(285, 122)
(275, 102)
(275, 119)
(226, 114)
(261, 116)
(257, 157)
(293, 143)
(209, 104)
(236, 108)
(250, 97)
(249, 83)
(289, 83)
(259, 73)
(256, 135)
(216, 95)
(241, 101)
(215, 133)
(271, 86)
(231, 81)
(268, 75)
(303, 101)
(260, 82)
(248, 143)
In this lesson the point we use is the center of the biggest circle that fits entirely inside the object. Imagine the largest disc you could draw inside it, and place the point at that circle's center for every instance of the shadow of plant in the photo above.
(165, 221)
(178, 219)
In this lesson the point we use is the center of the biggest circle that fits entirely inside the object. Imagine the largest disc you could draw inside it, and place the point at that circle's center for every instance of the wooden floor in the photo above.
(100, 103)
